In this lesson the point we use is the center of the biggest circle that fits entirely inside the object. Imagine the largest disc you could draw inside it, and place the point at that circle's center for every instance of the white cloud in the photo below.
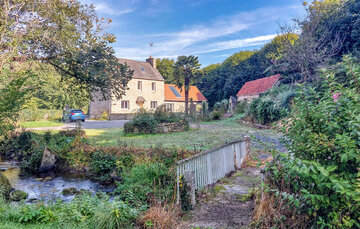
(102, 7)
(204, 38)
(238, 43)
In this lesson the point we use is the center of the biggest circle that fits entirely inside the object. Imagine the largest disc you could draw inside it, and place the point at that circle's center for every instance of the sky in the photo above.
(210, 29)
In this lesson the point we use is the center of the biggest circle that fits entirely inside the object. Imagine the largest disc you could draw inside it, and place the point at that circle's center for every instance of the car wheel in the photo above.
(83, 120)
(62, 119)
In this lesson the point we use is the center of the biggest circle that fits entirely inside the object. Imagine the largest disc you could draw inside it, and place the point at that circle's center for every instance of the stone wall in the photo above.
(171, 127)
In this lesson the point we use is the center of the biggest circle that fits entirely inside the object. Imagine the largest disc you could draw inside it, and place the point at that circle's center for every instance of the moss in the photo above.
(18, 195)
(5, 187)
(219, 188)
(69, 191)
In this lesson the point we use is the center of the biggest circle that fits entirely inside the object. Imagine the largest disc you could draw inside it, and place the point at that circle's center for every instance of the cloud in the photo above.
(238, 43)
(204, 38)
(120, 9)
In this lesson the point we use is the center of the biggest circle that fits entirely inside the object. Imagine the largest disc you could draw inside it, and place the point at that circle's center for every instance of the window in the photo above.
(125, 104)
(176, 93)
(153, 104)
(140, 85)
(169, 107)
(153, 86)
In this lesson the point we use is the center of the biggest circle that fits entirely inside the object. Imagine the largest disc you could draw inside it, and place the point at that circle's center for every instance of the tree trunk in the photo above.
(187, 87)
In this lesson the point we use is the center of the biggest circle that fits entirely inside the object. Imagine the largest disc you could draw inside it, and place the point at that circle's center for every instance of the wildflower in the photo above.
(336, 96)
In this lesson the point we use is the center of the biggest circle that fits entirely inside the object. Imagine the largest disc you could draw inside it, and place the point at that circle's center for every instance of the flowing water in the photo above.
(47, 186)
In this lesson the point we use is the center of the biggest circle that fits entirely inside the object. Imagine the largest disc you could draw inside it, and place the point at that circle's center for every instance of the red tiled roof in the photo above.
(258, 86)
(194, 94)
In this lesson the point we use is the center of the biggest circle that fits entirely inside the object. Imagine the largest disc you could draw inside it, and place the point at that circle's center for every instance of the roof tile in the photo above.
(258, 86)
(194, 94)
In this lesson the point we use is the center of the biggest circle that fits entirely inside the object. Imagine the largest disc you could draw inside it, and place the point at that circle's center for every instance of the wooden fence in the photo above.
(209, 166)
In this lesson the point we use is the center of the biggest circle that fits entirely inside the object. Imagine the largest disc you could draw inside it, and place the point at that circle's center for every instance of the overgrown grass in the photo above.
(35, 124)
(207, 136)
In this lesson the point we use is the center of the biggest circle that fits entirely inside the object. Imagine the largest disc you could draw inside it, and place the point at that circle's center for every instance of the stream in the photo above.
(47, 186)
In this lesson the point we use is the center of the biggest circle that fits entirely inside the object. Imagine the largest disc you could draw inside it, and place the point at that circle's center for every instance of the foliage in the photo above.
(184, 194)
(241, 107)
(84, 211)
(143, 122)
(166, 69)
(39, 114)
(145, 183)
(184, 71)
(272, 106)
(102, 165)
(147, 123)
(316, 183)
(12, 91)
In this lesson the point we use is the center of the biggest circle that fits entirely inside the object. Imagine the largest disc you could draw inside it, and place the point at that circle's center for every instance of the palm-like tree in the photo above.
(184, 71)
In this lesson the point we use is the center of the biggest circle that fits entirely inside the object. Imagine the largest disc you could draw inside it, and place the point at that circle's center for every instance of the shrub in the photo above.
(216, 115)
(143, 122)
(102, 165)
(162, 115)
(241, 107)
(316, 185)
(271, 106)
(39, 114)
(145, 183)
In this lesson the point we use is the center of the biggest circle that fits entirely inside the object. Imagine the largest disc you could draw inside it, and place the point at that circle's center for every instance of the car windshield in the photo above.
(76, 111)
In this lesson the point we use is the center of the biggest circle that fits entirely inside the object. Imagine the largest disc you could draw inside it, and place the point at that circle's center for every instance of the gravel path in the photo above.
(221, 205)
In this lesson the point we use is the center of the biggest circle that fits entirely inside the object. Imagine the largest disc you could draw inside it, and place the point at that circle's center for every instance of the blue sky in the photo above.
(210, 29)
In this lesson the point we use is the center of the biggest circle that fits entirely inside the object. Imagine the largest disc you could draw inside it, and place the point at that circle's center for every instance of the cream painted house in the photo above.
(145, 90)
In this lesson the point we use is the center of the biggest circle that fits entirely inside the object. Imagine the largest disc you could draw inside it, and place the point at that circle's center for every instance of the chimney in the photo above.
(151, 61)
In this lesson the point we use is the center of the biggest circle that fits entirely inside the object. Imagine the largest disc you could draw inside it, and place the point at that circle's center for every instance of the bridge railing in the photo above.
(209, 166)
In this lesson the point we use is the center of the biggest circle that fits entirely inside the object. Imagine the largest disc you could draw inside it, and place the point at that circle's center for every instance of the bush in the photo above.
(143, 122)
(216, 115)
(317, 184)
(102, 165)
(271, 106)
(162, 115)
(241, 107)
(145, 183)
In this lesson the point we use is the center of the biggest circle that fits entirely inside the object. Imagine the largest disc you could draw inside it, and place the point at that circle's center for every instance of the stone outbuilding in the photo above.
(252, 89)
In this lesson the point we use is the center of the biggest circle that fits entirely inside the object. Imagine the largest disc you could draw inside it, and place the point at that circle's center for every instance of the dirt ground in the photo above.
(226, 204)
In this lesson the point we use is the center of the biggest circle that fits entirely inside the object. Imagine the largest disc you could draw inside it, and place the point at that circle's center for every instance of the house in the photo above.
(147, 90)
(252, 89)
(175, 97)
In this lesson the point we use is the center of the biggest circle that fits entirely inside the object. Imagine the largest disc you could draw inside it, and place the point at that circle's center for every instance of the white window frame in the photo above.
(155, 103)
(139, 86)
(125, 104)
(153, 86)
(170, 107)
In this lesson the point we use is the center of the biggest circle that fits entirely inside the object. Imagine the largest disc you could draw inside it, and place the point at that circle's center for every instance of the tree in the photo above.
(66, 35)
(184, 71)
(166, 69)
(63, 34)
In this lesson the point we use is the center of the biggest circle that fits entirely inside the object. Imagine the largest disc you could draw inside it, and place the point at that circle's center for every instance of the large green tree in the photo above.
(166, 69)
(63, 34)
(184, 71)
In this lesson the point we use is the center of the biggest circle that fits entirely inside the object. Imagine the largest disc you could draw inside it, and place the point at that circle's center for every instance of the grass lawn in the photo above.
(202, 137)
(35, 124)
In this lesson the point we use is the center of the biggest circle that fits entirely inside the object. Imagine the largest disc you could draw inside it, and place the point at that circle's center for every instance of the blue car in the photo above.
(73, 115)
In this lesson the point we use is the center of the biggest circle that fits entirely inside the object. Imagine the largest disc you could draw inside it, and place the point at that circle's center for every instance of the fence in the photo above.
(209, 166)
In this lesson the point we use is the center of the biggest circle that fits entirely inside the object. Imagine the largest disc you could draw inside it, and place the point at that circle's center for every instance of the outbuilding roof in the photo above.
(258, 86)
(173, 93)
(142, 70)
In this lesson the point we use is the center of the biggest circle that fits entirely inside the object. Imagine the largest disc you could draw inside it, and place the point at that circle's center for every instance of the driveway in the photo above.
(88, 124)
